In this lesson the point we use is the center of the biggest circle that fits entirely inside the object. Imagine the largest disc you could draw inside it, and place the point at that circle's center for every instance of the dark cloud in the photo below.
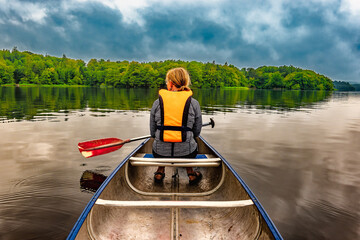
(317, 36)
(327, 45)
(91, 32)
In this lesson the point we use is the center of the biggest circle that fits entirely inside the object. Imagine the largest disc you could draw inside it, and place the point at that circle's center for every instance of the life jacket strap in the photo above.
(174, 128)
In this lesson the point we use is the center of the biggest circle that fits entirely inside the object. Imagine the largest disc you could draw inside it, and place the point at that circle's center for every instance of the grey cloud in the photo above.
(301, 36)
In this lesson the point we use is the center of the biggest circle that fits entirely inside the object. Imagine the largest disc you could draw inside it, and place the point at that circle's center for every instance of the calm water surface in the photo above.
(298, 152)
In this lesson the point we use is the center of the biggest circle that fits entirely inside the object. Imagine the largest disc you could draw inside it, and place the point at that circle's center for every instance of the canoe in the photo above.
(130, 205)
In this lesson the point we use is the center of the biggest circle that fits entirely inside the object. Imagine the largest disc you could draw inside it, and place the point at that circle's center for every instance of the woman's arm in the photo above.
(198, 118)
(152, 118)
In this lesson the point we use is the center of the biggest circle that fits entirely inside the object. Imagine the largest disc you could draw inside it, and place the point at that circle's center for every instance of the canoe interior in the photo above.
(136, 183)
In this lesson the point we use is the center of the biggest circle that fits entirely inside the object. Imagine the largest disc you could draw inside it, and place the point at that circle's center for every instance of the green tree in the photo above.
(6, 73)
(49, 76)
(275, 80)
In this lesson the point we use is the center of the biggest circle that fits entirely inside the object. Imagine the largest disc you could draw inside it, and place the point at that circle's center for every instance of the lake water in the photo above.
(298, 151)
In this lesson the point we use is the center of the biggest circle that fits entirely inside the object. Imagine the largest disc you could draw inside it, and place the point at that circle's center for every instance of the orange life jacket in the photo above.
(174, 115)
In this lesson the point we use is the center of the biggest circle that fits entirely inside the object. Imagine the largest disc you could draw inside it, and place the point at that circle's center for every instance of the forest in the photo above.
(344, 86)
(25, 67)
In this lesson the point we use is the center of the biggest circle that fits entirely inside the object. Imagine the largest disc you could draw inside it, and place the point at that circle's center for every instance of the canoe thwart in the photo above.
(193, 164)
(171, 204)
(175, 162)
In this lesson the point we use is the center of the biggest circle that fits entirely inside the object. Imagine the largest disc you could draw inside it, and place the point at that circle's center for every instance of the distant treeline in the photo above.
(356, 86)
(28, 68)
(346, 86)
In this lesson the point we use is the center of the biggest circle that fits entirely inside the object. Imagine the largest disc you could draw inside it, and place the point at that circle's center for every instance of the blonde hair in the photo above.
(179, 77)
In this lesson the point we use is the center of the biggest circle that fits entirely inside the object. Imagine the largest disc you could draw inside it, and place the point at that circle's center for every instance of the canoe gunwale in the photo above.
(91, 203)
(257, 204)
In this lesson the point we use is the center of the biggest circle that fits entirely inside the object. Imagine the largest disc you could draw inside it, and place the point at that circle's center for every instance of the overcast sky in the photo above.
(322, 35)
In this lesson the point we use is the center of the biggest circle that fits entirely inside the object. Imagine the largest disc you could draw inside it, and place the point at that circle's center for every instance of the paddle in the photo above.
(106, 145)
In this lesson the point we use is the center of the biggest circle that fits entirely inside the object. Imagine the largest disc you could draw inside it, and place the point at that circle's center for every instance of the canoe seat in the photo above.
(171, 204)
(175, 162)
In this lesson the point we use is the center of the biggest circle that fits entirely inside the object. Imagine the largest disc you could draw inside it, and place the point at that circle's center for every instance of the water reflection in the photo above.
(57, 103)
(303, 165)
(91, 181)
(231, 100)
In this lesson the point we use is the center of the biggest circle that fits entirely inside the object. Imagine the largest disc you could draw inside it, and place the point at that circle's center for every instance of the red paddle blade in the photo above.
(86, 148)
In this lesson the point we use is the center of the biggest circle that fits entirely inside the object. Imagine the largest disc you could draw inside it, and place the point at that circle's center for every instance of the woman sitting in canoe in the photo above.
(175, 121)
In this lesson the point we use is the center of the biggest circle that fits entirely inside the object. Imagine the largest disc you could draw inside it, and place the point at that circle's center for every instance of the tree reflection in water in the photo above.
(48, 103)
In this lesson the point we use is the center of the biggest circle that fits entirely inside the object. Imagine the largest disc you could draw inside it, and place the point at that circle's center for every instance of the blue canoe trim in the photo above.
(262, 211)
(91, 203)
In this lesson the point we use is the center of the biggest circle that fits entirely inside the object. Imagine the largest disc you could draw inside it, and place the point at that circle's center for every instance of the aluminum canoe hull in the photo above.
(130, 205)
